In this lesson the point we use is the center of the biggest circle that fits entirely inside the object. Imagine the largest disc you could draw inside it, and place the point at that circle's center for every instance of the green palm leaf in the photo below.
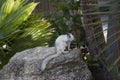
(34, 32)
(13, 20)
(12, 14)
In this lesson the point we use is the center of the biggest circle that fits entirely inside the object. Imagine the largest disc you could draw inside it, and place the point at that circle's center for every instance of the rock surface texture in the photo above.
(25, 65)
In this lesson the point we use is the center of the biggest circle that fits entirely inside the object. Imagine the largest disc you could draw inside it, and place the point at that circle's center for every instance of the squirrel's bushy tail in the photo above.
(45, 61)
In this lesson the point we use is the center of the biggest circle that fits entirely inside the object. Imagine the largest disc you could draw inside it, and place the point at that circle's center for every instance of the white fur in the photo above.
(61, 43)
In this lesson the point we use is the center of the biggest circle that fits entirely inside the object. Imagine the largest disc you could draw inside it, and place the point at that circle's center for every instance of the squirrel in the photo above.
(62, 42)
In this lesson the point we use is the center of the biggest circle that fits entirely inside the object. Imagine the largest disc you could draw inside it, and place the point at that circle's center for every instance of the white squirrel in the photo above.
(61, 43)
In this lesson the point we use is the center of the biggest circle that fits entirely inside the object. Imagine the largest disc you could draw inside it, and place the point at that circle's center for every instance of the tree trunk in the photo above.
(94, 33)
(95, 37)
(113, 40)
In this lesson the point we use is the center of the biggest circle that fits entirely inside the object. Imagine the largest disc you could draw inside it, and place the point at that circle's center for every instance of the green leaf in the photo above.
(5, 10)
(13, 20)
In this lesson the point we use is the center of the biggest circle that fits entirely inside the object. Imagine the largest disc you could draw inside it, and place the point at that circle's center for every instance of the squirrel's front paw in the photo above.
(69, 49)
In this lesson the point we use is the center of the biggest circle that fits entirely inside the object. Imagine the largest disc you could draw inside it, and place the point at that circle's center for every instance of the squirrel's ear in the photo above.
(68, 35)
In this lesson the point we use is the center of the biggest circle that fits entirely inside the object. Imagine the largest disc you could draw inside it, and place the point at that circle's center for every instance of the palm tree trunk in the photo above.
(113, 40)
(95, 37)
(94, 33)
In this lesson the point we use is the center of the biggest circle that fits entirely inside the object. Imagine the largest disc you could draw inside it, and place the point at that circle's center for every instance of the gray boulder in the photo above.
(25, 65)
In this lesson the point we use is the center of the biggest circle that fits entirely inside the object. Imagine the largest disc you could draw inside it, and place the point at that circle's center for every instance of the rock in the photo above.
(25, 65)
